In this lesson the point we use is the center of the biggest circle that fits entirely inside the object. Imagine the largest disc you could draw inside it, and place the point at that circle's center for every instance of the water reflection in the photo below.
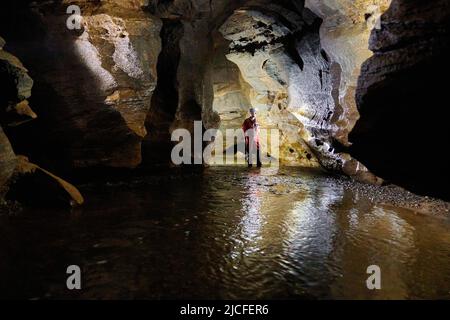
(251, 221)
(226, 234)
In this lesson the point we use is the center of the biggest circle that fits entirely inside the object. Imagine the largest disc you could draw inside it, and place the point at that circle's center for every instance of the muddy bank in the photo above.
(395, 196)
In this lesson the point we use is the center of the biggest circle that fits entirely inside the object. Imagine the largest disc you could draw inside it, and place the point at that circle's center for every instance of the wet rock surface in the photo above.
(16, 85)
(401, 94)
(15, 88)
(93, 86)
(32, 185)
(15, 82)
(344, 36)
(399, 197)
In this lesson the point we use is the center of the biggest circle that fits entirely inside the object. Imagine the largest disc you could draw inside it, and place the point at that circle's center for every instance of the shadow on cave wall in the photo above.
(73, 122)
(403, 133)
(157, 145)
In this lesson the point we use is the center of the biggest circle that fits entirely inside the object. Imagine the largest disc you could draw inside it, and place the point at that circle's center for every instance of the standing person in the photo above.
(251, 133)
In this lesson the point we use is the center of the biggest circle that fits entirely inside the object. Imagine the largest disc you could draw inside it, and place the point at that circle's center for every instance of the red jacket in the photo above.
(251, 124)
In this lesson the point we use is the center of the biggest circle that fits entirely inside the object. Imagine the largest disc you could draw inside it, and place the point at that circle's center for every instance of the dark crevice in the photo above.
(164, 101)
(324, 55)
(321, 78)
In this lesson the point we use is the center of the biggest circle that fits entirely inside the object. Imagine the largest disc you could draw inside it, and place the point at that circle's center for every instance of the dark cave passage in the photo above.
(156, 145)
(399, 135)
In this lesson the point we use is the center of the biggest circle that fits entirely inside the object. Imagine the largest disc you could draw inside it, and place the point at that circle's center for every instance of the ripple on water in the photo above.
(229, 233)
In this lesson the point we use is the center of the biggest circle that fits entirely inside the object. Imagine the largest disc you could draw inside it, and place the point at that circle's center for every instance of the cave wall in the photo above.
(16, 85)
(230, 100)
(156, 148)
(100, 114)
(195, 68)
(93, 86)
(344, 36)
(137, 70)
(21, 179)
(7, 161)
(263, 46)
(298, 87)
(402, 97)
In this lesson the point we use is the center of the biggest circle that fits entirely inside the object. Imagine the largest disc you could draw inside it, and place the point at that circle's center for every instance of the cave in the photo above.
(92, 94)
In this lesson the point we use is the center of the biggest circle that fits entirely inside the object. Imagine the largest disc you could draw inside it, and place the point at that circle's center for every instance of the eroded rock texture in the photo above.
(33, 185)
(190, 93)
(218, 58)
(263, 46)
(7, 162)
(37, 183)
(344, 36)
(275, 62)
(93, 86)
(218, 83)
(299, 73)
(157, 146)
(402, 96)
(15, 86)
(137, 70)
(297, 85)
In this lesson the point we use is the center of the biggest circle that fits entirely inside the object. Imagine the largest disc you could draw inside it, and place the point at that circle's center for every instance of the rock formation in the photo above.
(344, 36)
(16, 87)
(283, 69)
(345, 81)
(22, 179)
(93, 85)
(15, 84)
(7, 162)
(34, 185)
(264, 49)
(401, 97)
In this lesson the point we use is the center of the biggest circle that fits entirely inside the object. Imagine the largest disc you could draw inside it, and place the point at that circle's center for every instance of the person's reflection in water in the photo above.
(249, 230)
(251, 133)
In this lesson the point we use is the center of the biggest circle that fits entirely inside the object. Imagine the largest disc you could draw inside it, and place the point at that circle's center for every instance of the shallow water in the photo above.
(227, 233)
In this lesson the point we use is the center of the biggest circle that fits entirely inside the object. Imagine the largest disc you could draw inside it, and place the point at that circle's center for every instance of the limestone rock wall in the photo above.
(93, 86)
(193, 76)
(402, 97)
(230, 101)
(15, 84)
(288, 75)
(37, 183)
(7, 161)
(262, 46)
(344, 35)
(317, 70)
